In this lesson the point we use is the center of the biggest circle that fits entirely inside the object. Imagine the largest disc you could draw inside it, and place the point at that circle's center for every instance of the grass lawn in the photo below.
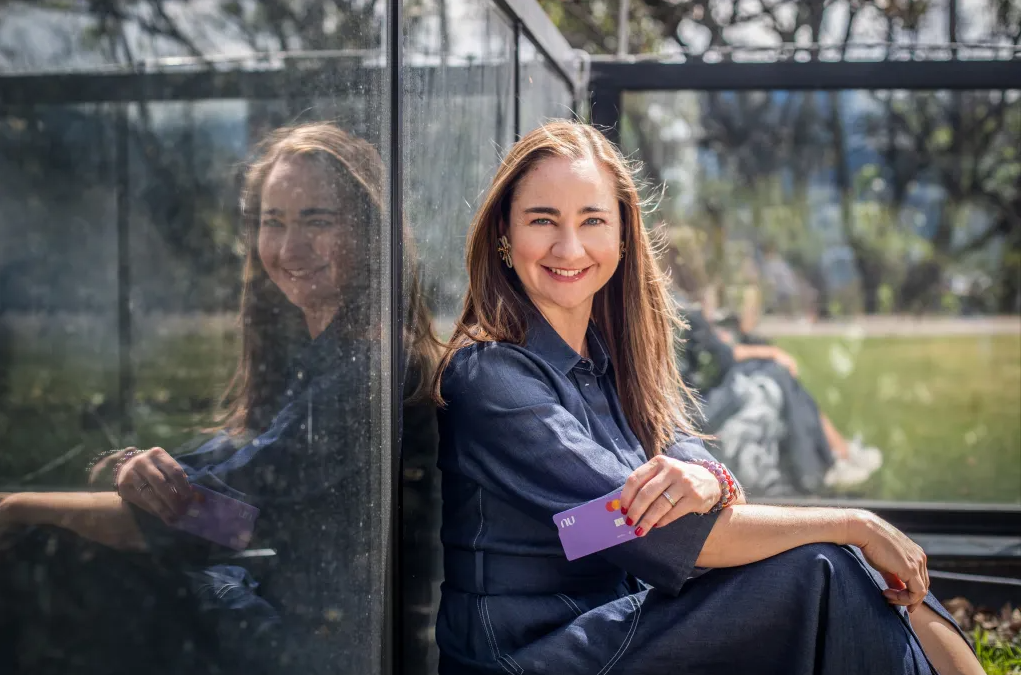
(946, 411)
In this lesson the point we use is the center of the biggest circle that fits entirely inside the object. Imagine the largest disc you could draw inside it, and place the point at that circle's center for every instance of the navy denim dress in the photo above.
(302, 471)
(530, 431)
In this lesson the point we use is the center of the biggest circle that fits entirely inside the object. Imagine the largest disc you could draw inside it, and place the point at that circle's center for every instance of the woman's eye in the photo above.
(542, 221)
(320, 223)
(272, 222)
(594, 221)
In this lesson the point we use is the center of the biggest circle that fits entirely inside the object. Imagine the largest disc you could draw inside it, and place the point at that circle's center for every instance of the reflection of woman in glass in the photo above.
(298, 444)
(560, 388)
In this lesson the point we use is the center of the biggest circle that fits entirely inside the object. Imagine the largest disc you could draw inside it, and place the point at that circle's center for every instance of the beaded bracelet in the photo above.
(95, 460)
(132, 452)
(729, 487)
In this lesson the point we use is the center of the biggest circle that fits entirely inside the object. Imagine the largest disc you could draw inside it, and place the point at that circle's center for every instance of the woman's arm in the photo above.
(748, 533)
(743, 352)
(102, 517)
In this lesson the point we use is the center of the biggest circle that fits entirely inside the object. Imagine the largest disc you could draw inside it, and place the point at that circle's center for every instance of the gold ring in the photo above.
(666, 496)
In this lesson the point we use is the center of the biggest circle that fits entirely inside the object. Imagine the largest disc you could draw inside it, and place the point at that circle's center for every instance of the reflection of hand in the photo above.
(693, 489)
(901, 561)
(155, 482)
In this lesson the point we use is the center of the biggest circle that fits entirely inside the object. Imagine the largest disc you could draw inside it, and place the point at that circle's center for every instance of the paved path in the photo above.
(892, 326)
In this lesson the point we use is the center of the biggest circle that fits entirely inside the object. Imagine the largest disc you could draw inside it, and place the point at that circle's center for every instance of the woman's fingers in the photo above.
(160, 485)
(638, 478)
(175, 475)
(134, 486)
(650, 505)
(684, 507)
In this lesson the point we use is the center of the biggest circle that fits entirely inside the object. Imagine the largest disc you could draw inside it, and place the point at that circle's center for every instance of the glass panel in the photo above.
(459, 119)
(182, 274)
(59, 346)
(545, 94)
(866, 242)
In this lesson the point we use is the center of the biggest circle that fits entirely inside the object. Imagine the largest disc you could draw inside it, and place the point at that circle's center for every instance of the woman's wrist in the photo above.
(858, 524)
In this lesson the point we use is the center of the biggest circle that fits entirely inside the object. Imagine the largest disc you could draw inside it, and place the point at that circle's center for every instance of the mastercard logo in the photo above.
(613, 506)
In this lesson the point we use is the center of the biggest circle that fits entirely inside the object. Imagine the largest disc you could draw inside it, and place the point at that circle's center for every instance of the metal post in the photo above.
(623, 27)
(126, 380)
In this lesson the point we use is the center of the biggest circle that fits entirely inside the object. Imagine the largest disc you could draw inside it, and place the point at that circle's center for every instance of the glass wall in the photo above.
(860, 247)
(195, 265)
(459, 120)
(198, 384)
(545, 94)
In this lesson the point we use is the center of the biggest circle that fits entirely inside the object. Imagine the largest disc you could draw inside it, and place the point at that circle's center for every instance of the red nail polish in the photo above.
(639, 531)
(623, 510)
(629, 522)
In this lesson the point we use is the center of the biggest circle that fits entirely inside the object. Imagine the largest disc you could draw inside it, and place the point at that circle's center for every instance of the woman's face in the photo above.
(307, 232)
(565, 232)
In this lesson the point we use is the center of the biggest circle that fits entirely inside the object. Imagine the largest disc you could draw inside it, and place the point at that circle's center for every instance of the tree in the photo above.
(972, 158)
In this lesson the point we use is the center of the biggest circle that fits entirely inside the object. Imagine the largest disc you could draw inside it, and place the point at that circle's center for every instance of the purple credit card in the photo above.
(219, 518)
(593, 526)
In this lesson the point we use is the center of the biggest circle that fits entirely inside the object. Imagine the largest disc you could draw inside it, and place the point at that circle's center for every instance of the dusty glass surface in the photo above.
(459, 117)
(545, 94)
(869, 238)
(194, 256)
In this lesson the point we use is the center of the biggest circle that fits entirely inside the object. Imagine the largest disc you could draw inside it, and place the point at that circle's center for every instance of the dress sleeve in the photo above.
(515, 438)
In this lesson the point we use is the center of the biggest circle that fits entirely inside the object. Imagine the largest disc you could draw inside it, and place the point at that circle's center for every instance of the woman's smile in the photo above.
(566, 275)
(305, 273)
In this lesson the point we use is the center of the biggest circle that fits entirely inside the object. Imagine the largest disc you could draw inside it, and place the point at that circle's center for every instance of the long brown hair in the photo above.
(271, 326)
(633, 311)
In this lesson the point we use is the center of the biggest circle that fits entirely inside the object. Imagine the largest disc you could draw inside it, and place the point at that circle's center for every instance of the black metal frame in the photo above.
(610, 80)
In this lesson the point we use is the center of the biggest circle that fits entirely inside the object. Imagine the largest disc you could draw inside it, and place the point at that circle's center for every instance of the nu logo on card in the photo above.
(567, 522)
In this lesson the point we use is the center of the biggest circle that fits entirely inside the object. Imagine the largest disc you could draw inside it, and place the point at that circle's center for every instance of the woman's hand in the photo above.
(744, 352)
(155, 482)
(901, 561)
(786, 360)
(693, 489)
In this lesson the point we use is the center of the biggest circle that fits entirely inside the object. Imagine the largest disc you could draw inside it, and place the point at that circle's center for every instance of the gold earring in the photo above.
(623, 250)
(504, 250)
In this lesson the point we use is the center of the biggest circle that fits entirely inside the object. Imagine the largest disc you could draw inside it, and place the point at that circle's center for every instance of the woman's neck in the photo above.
(570, 324)
(317, 320)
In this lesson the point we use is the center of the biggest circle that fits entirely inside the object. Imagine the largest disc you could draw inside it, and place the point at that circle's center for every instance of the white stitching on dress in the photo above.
(489, 618)
(515, 663)
(482, 603)
(570, 604)
(627, 641)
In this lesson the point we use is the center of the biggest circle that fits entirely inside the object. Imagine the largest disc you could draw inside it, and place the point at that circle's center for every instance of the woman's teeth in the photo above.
(565, 273)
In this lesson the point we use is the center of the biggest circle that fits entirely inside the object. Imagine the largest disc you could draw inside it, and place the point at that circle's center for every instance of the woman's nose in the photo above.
(296, 245)
(568, 245)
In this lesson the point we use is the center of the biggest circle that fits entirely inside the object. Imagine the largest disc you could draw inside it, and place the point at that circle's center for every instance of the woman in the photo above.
(560, 387)
(297, 444)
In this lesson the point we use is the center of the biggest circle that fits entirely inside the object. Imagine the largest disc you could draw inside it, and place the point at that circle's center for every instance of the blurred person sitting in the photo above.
(768, 428)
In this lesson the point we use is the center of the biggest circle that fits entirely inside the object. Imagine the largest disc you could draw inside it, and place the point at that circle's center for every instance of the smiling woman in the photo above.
(305, 235)
(563, 257)
(561, 389)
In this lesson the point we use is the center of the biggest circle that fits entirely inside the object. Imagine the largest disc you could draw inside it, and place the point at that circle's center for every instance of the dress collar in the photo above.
(543, 340)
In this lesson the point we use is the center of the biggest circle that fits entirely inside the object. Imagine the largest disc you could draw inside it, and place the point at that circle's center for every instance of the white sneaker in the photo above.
(845, 473)
(865, 456)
